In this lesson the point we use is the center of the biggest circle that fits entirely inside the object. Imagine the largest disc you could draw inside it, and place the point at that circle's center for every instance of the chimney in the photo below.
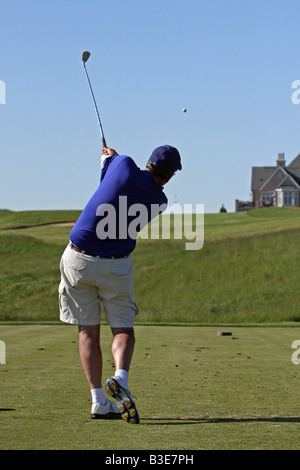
(281, 160)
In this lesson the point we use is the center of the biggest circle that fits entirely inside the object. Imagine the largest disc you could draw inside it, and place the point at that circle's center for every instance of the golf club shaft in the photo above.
(99, 121)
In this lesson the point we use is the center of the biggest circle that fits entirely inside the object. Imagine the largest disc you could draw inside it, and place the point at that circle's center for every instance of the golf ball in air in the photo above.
(184, 110)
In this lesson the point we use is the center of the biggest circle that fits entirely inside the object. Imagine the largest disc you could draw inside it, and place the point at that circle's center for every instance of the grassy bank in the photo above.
(246, 272)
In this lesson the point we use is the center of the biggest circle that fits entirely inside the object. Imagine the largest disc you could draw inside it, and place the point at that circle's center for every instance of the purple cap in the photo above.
(166, 157)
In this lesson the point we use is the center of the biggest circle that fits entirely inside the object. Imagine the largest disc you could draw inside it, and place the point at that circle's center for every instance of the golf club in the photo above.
(85, 57)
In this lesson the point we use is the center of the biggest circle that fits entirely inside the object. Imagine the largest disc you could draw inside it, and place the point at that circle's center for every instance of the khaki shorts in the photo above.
(88, 281)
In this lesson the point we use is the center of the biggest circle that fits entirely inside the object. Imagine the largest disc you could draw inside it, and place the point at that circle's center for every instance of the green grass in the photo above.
(252, 279)
(194, 390)
(11, 219)
(235, 392)
(249, 269)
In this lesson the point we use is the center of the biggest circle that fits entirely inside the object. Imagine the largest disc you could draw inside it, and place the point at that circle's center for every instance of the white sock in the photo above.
(123, 374)
(98, 396)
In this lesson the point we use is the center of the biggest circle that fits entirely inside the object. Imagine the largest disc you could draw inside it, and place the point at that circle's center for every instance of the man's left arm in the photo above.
(107, 152)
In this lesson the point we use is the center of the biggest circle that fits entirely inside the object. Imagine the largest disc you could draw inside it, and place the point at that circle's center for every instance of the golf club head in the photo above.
(85, 56)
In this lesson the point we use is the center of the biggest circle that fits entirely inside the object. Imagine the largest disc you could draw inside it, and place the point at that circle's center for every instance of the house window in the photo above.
(268, 199)
(291, 198)
(287, 197)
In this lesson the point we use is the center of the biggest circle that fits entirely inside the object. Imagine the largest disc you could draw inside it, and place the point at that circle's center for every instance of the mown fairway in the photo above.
(194, 390)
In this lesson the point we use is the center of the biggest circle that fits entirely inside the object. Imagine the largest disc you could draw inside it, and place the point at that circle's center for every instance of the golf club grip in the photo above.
(104, 142)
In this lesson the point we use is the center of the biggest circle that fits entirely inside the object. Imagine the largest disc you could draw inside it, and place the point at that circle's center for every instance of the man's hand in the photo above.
(108, 152)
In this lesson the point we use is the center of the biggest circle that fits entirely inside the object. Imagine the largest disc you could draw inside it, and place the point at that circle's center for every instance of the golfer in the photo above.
(96, 268)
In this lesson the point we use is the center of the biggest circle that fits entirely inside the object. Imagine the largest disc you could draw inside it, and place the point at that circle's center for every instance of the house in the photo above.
(274, 185)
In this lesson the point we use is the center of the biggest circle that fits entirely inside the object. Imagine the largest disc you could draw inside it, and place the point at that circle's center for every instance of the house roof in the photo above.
(261, 175)
(295, 163)
(294, 168)
(288, 182)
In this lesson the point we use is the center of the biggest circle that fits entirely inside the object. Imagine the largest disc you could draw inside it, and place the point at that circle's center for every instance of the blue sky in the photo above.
(230, 63)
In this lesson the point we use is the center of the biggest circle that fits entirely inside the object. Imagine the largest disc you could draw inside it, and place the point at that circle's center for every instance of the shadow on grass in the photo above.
(179, 421)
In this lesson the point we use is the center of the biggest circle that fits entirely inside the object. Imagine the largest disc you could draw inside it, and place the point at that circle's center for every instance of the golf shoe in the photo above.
(107, 411)
(116, 388)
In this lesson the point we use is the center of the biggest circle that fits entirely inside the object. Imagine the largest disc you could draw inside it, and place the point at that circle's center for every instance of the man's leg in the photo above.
(117, 386)
(90, 354)
(122, 347)
(91, 359)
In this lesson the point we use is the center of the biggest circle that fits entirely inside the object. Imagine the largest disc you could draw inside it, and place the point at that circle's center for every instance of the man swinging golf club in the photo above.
(97, 268)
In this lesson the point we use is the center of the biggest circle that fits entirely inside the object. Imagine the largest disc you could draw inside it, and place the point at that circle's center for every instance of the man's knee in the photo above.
(126, 331)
